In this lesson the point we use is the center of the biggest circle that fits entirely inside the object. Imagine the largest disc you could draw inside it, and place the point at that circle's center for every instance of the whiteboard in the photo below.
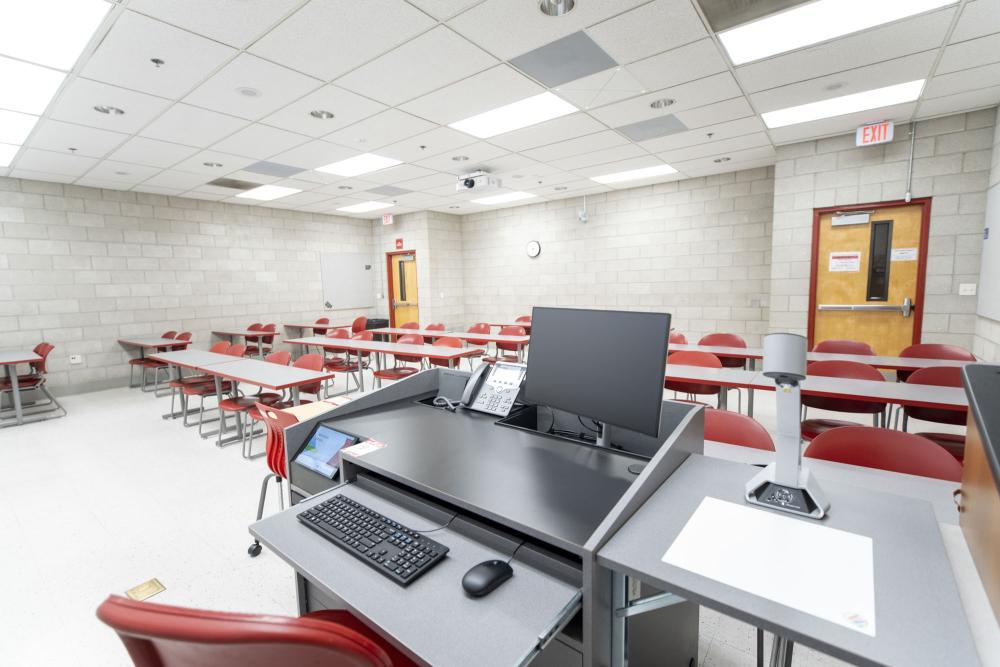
(989, 272)
(348, 280)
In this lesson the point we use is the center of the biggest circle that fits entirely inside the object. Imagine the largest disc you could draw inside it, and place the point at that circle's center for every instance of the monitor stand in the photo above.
(604, 438)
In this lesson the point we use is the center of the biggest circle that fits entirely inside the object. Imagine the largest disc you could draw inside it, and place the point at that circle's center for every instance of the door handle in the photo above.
(905, 308)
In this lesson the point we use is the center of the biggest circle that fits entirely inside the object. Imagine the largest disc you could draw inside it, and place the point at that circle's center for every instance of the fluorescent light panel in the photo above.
(635, 174)
(268, 192)
(15, 127)
(359, 164)
(838, 106)
(514, 116)
(505, 198)
(815, 22)
(7, 153)
(364, 207)
(50, 32)
(27, 88)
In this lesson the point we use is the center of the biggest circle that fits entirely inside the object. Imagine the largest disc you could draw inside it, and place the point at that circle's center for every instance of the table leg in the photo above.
(361, 373)
(295, 395)
(750, 401)
(781, 652)
(15, 392)
(723, 398)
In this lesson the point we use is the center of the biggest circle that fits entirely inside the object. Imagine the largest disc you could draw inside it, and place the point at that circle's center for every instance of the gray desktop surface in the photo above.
(551, 489)
(919, 616)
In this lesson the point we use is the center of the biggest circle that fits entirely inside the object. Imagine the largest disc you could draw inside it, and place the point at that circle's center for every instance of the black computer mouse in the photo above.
(485, 577)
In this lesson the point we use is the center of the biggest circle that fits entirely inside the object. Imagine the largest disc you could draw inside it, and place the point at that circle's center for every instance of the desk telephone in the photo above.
(493, 388)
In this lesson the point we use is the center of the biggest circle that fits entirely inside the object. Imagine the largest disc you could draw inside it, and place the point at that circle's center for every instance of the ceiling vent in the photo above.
(725, 14)
(233, 184)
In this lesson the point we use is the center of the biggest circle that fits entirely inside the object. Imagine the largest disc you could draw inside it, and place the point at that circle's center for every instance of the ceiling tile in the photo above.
(432, 180)
(968, 54)
(724, 147)
(737, 161)
(48, 162)
(478, 153)
(346, 106)
(576, 146)
(890, 72)
(54, 135)
(569, 58)
(153, 153)
(601, 88)
(277, 87)
(327, 38)
(380, 130)
(123, 58)
(841, 124)
(316, 153)
(259, 141)
(443, 9)
(435, 142)
(974, 99)
(695, 170)
(158, 190)
(396, 175)
(106, 183)
(233, 22)
(435, 59)
(639, 162)
(591, 159)
(480, 23)
(649, 29)
(549, 132)
(686, 63)
(305, 199)
(30, 175)
(185, 124)
(698, 93)
(487, 90)
(856, 50)
(181, 180)
(347, 188)
(230, 163)
(719, 131)
(962, 81)
(720, 112)
(979, 18)
(122, 173)
(76, 105)
(273, 169)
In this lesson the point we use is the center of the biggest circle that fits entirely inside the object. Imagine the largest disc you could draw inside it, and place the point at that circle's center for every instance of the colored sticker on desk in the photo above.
(362, 448)
(338, 400)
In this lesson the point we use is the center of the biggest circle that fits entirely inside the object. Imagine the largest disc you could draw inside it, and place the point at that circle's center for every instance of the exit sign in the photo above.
(387, 218)
(876, 133)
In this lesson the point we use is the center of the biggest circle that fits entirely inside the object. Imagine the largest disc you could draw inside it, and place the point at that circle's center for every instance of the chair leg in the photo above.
(254, 549)
(906, 421)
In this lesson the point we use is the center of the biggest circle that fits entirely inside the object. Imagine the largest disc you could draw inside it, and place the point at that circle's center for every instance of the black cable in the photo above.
(515, 552)
(580, 419)
(434, 530)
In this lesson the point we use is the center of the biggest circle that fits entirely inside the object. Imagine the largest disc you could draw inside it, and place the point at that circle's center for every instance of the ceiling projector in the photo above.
(478, 181)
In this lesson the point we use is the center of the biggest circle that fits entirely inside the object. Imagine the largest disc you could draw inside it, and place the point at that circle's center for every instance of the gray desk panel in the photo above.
(554, 490)
(433, 618)
(982, 383)
(919, 617)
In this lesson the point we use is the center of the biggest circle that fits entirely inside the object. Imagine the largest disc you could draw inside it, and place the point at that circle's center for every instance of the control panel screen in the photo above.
(321, 451)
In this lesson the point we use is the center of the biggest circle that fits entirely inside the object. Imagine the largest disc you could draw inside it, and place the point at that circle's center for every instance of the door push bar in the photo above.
(906, 308)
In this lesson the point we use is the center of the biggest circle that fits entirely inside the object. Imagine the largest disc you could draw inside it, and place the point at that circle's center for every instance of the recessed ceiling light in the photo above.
(661, 103)
(7, 153)
(322, 114)
(122, 173)
(50, 33)
(15, 127)
(814, 22)
(514, 116)
(835, 86)
(556, 7)
(159, 62)
(246, 91)
(212, 164)
(721, 159)
(344, 187)
(364, 207)
(359, 164)
(268, 192)
(26, 88)
(560, 188)
(110, 110)
(454, 207)
(460, 158)
(504, 198)
(838, 106)
(635, 174)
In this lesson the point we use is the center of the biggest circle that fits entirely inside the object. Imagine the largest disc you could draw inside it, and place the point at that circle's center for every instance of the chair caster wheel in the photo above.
(254, 550)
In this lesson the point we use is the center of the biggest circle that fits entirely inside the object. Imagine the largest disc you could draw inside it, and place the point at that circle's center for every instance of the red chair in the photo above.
(524, 321)
(276, 420)
(942, 376)
(844, 347)
(252, 340)
(340, 364)
(478, 328)
(309, 362)
(178, 383)
(726, 340)
(265, 342)
(885, 449)
(692, 358)
(400, 370)
(204, 389)
(158, 635)
(236, 350)
(144, 363)
(840, 369)
(933, 351)
(677, 338)
(321, 331)
(240, 405)
(446, 341)
(437, 326)
(734, 428)
(508, 347)
(33, 380)
(353, 357)
(360, 324)
(410, 325)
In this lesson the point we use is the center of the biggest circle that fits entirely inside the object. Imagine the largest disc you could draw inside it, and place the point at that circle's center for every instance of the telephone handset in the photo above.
(493, 388)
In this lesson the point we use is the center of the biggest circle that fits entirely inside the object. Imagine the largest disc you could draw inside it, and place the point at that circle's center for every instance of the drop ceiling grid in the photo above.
(707, 92)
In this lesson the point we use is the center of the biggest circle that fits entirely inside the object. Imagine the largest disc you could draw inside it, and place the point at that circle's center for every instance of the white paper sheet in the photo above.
(798, 563)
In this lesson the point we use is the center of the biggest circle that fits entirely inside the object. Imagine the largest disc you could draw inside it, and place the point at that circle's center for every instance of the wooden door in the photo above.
(868, 269)
(403, 303)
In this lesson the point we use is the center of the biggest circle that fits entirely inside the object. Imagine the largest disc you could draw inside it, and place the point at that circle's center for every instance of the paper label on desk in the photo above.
(362, 448)
(338, 400)
(799, 563)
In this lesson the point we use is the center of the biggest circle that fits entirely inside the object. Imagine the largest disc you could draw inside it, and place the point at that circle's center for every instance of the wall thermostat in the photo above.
(534, 249)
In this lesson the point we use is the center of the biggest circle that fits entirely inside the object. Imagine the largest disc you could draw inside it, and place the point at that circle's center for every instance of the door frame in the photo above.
(388, 278)
(925, 226)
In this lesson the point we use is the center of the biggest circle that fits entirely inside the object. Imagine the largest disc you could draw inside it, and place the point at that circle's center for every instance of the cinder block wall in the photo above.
(986, 344)
(952, 165)
(82, 267)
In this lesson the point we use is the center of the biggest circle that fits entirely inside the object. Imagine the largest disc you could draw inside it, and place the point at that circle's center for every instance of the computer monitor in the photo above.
(603, 364)
(322, 450)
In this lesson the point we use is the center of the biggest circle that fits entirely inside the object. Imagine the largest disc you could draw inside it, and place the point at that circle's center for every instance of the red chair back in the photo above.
(844, 347)
(42, 350)
(275, 423)
(409, 339)
(677, 338)
(437, 326)
(933, 351)
(310, 362)
(942, 376)
(885, 449)
(479, 328)
(446, 341)
(734, 428)
(843, 369)
(220, 347)
(270, 328)
(359, 324)
(692, 358)
(168, 334)
(363, 335)
(337, 333)
(726, 340)
(524, 318)
(158, 635)
(281, 357)
(511, 331)
(236, 350)
(184, 335)
(410, 325)
(319, 331)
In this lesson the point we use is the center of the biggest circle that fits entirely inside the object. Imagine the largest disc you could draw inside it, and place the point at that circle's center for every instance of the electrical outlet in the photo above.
(967, 289)
(75, 359)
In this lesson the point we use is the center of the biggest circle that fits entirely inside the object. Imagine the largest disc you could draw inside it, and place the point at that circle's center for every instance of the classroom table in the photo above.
(298, 329)
(249, 335)
(10, 360)
(524, 325)
(194, 360)
(888, 363)
(155, 343)
(725, 378)
(401, 331)
(442, 353)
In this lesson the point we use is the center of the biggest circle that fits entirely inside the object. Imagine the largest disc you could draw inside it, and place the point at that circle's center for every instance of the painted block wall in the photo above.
(986, 343)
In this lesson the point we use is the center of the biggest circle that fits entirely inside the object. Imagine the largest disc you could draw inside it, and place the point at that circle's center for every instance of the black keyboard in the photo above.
(385, 545)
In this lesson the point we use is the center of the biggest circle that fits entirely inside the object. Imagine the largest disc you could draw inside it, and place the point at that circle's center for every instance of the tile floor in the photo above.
(112, 495)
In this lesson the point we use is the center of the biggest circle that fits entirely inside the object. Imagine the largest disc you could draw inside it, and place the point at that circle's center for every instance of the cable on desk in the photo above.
(515, 552)
(434, 530)
(447, 403)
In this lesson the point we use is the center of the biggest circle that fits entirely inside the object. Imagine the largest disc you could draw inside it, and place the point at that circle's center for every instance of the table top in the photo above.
(491, 338)
(242, 332)
(720, 377)
(890, 363)
(265, 374)
(195, 359)
(400, 331)
(12, 358)
(316, 325)
(154, 342)
(875, 391)
(429, 351)
(526, 325)
(919, 615)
